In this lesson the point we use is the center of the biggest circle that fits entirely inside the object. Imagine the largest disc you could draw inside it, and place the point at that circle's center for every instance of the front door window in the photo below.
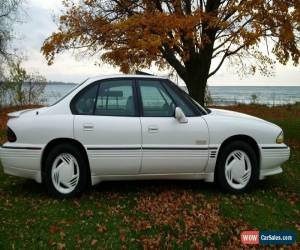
(155, 100)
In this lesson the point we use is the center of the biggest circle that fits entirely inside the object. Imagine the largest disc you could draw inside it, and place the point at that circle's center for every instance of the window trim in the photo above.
(138, 104)
(99, 82)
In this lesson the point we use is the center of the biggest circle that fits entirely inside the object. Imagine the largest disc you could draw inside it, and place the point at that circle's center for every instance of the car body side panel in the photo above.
(42, 128)
(222, 127)
(173, 147)
(113, 143)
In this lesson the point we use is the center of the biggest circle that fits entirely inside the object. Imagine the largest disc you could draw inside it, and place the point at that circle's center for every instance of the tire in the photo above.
(66, 173)
(237, 169)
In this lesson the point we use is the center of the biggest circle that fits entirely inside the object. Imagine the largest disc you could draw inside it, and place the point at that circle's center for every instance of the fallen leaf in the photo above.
(61, 246)
(94, 242)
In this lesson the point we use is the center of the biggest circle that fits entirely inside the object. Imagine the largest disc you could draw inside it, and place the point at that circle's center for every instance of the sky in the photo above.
(38, 23)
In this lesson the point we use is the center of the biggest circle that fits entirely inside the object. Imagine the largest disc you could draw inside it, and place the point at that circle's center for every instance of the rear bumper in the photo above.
(22, 162)
(272, 156)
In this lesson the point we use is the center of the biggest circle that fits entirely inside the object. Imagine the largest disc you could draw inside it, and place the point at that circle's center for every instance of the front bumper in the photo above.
(272, 156)
(22, 162)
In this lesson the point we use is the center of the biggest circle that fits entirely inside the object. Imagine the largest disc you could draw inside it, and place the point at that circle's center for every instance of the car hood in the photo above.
(228, 113)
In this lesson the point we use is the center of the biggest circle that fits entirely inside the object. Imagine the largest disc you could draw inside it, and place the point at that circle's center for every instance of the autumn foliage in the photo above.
(194, 37)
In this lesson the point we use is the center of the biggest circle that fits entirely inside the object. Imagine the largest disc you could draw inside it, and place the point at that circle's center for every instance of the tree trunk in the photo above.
(197, 71)
(196, 78)
(196, 87)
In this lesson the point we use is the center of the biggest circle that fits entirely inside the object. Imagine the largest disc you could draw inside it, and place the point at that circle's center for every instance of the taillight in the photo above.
(11, 136)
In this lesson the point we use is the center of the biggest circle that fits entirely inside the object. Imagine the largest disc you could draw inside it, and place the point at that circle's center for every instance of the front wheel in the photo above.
(237, 167)
(65, 173)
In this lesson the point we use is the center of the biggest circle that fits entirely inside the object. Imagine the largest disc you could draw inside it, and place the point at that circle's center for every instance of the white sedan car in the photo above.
(127, 127)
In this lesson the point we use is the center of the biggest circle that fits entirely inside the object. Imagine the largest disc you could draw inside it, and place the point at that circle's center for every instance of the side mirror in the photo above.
(180, 116)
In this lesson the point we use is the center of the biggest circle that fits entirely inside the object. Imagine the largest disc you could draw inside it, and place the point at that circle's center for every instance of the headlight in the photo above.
(280, 138)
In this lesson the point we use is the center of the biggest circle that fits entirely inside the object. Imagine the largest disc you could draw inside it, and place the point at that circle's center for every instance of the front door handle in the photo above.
(152, 129)
(88, 126)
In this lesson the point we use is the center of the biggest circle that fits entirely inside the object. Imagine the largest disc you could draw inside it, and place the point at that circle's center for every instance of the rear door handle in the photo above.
(88, 126)
(152, 129)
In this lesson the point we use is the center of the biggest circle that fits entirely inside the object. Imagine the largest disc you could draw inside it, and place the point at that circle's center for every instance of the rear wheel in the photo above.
(237, 167)
(66, 172)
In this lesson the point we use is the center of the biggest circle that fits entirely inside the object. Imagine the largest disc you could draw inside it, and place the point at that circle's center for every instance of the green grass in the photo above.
(158, 214)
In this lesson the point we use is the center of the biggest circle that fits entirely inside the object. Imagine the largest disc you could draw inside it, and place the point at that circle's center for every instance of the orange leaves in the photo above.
(181, 211)
(101, 228)
(135, 34)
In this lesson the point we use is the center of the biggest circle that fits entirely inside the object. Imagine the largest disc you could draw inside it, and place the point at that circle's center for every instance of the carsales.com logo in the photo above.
(268, 237)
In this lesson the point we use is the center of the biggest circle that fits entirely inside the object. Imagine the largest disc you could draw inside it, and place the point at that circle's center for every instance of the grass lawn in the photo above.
(154, 214)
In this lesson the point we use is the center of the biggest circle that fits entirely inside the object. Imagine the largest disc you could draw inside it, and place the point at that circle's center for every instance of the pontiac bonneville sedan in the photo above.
(130, 127)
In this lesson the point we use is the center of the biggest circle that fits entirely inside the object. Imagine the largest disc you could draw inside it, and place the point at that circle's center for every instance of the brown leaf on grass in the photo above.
(8, 204)
(101, 228)
(199, 217)
(292, 197)
(65, 222)
(76, 203)
(61, 246)
(142, 225)
(151, 243)
(115, 210)
(54, 229)
(94, 242)
(234, 229)
(122, 235)
(62, 235)
(51, 242)
(89, 213)
(78, 239)
(197, 245)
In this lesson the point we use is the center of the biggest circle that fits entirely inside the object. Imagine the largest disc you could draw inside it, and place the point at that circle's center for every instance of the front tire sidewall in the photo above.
(220, 168)
(76, 153)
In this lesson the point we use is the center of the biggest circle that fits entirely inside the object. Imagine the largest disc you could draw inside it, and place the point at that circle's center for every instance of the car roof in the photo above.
(101, 77)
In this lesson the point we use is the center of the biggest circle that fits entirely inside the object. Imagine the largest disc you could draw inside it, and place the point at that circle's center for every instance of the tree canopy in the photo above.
(183, 34)
(8, 13)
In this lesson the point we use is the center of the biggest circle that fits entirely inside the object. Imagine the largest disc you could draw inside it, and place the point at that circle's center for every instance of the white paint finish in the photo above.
(25, 173)
(42, 128)
(173, 134)
(106, 162)
(272, 158)
(110, 132)
(267, 172)
(21, 158)
(36, 128)
(183, 176)
(224, 124)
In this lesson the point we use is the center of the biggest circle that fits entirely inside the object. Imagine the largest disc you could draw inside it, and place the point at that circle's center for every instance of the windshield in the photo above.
(69, 92)
(201, 107)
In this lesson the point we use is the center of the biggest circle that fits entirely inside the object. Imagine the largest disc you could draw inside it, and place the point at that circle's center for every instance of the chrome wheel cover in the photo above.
(238, 169)
(65, 173)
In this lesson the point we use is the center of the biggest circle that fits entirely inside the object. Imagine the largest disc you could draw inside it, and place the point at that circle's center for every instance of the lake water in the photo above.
(221, 95)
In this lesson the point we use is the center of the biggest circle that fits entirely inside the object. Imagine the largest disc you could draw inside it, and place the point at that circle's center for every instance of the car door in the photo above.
(107, 124)
(170, 147)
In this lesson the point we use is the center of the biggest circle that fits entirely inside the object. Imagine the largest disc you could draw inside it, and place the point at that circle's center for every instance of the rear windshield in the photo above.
(69, 92)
